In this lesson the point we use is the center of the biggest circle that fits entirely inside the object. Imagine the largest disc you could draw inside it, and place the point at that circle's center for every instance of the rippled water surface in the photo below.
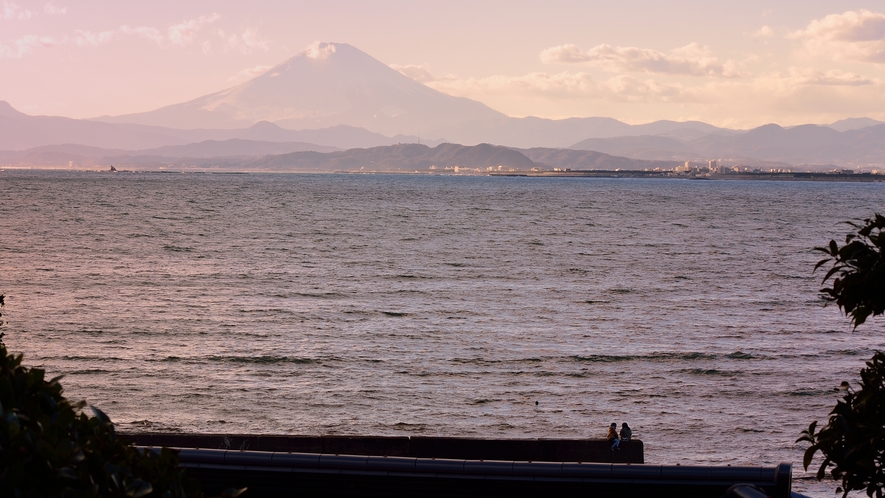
(397, 305)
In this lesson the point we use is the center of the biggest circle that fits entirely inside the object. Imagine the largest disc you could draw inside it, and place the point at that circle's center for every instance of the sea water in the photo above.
(439, 305)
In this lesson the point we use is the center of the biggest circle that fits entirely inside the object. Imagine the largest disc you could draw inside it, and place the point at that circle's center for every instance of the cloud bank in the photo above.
(693, 59)
(852, 35)
(179, 35)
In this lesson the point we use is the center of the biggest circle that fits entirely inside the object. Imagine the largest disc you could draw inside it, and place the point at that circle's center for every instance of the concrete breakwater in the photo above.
(528, 450)
(381, 466)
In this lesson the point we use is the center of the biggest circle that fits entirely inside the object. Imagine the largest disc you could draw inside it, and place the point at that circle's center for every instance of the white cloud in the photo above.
(565, 85)
(832, 77)
(320, 50)
(417, 73)
(802, 93)
(693, 59)
(25, 45)
(182, 34)
(248, 74)
(763, 32)
(12, 11)
(852, 35)
(244, 42)
(177, 35)
(52, 10)
(90, 39)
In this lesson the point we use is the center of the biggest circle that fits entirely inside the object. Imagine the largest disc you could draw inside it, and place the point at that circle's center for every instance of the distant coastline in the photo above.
(780, 176)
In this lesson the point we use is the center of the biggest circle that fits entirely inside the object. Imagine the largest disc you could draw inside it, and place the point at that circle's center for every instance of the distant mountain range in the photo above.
(799, 145)
(333, 97)
(19, 131)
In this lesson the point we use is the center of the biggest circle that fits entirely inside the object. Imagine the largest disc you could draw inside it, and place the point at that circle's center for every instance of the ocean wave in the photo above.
(172, 248)
(266, 359)
(708, 371)
(656, 356)
(740, 355)
(89, 371)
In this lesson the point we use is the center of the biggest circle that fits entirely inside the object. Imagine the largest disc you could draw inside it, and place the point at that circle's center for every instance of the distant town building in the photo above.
(711, 165)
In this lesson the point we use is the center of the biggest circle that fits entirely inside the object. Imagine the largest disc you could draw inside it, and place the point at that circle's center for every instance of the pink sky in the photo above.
(739, 65)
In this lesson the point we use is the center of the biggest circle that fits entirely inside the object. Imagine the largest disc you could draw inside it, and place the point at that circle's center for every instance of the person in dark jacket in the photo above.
(626, 432)
(613, 437)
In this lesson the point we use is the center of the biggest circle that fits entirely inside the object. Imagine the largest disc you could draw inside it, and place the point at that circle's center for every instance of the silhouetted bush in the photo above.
(858, 271)
(49, 447)
(853, 440)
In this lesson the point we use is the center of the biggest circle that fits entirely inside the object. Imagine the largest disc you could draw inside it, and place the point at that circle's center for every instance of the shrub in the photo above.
(853, 440)
(51, 447)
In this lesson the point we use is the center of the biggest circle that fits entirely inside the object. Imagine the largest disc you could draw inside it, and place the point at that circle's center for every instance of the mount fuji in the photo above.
(328, 84)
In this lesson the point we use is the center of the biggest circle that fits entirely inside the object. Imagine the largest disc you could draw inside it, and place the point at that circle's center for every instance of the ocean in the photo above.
(439, 305)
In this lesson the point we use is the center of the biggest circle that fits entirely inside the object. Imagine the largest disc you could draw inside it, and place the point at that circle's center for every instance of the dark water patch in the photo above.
(90, 331)
(602, 358)
(740, 355)
(748, 429)
(89, 371)
(846, 352)
(475, 361)
(708, 371)
(91, 358)
(619, 290)
(394, 313)
(267, 359)
(320, 295)
(657, 356)
(807, 392)
(405, 426)
(172, 248)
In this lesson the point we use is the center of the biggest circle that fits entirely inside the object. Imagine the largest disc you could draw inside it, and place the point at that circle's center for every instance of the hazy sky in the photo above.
(738, 64)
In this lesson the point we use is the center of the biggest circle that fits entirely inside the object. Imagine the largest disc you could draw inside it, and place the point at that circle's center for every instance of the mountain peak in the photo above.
(7, 110)
(324, 85)
(321, 50)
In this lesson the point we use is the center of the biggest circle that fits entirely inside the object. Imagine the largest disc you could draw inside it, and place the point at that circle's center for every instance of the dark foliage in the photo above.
(858, 271)
(853, 441)
(50, 447)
